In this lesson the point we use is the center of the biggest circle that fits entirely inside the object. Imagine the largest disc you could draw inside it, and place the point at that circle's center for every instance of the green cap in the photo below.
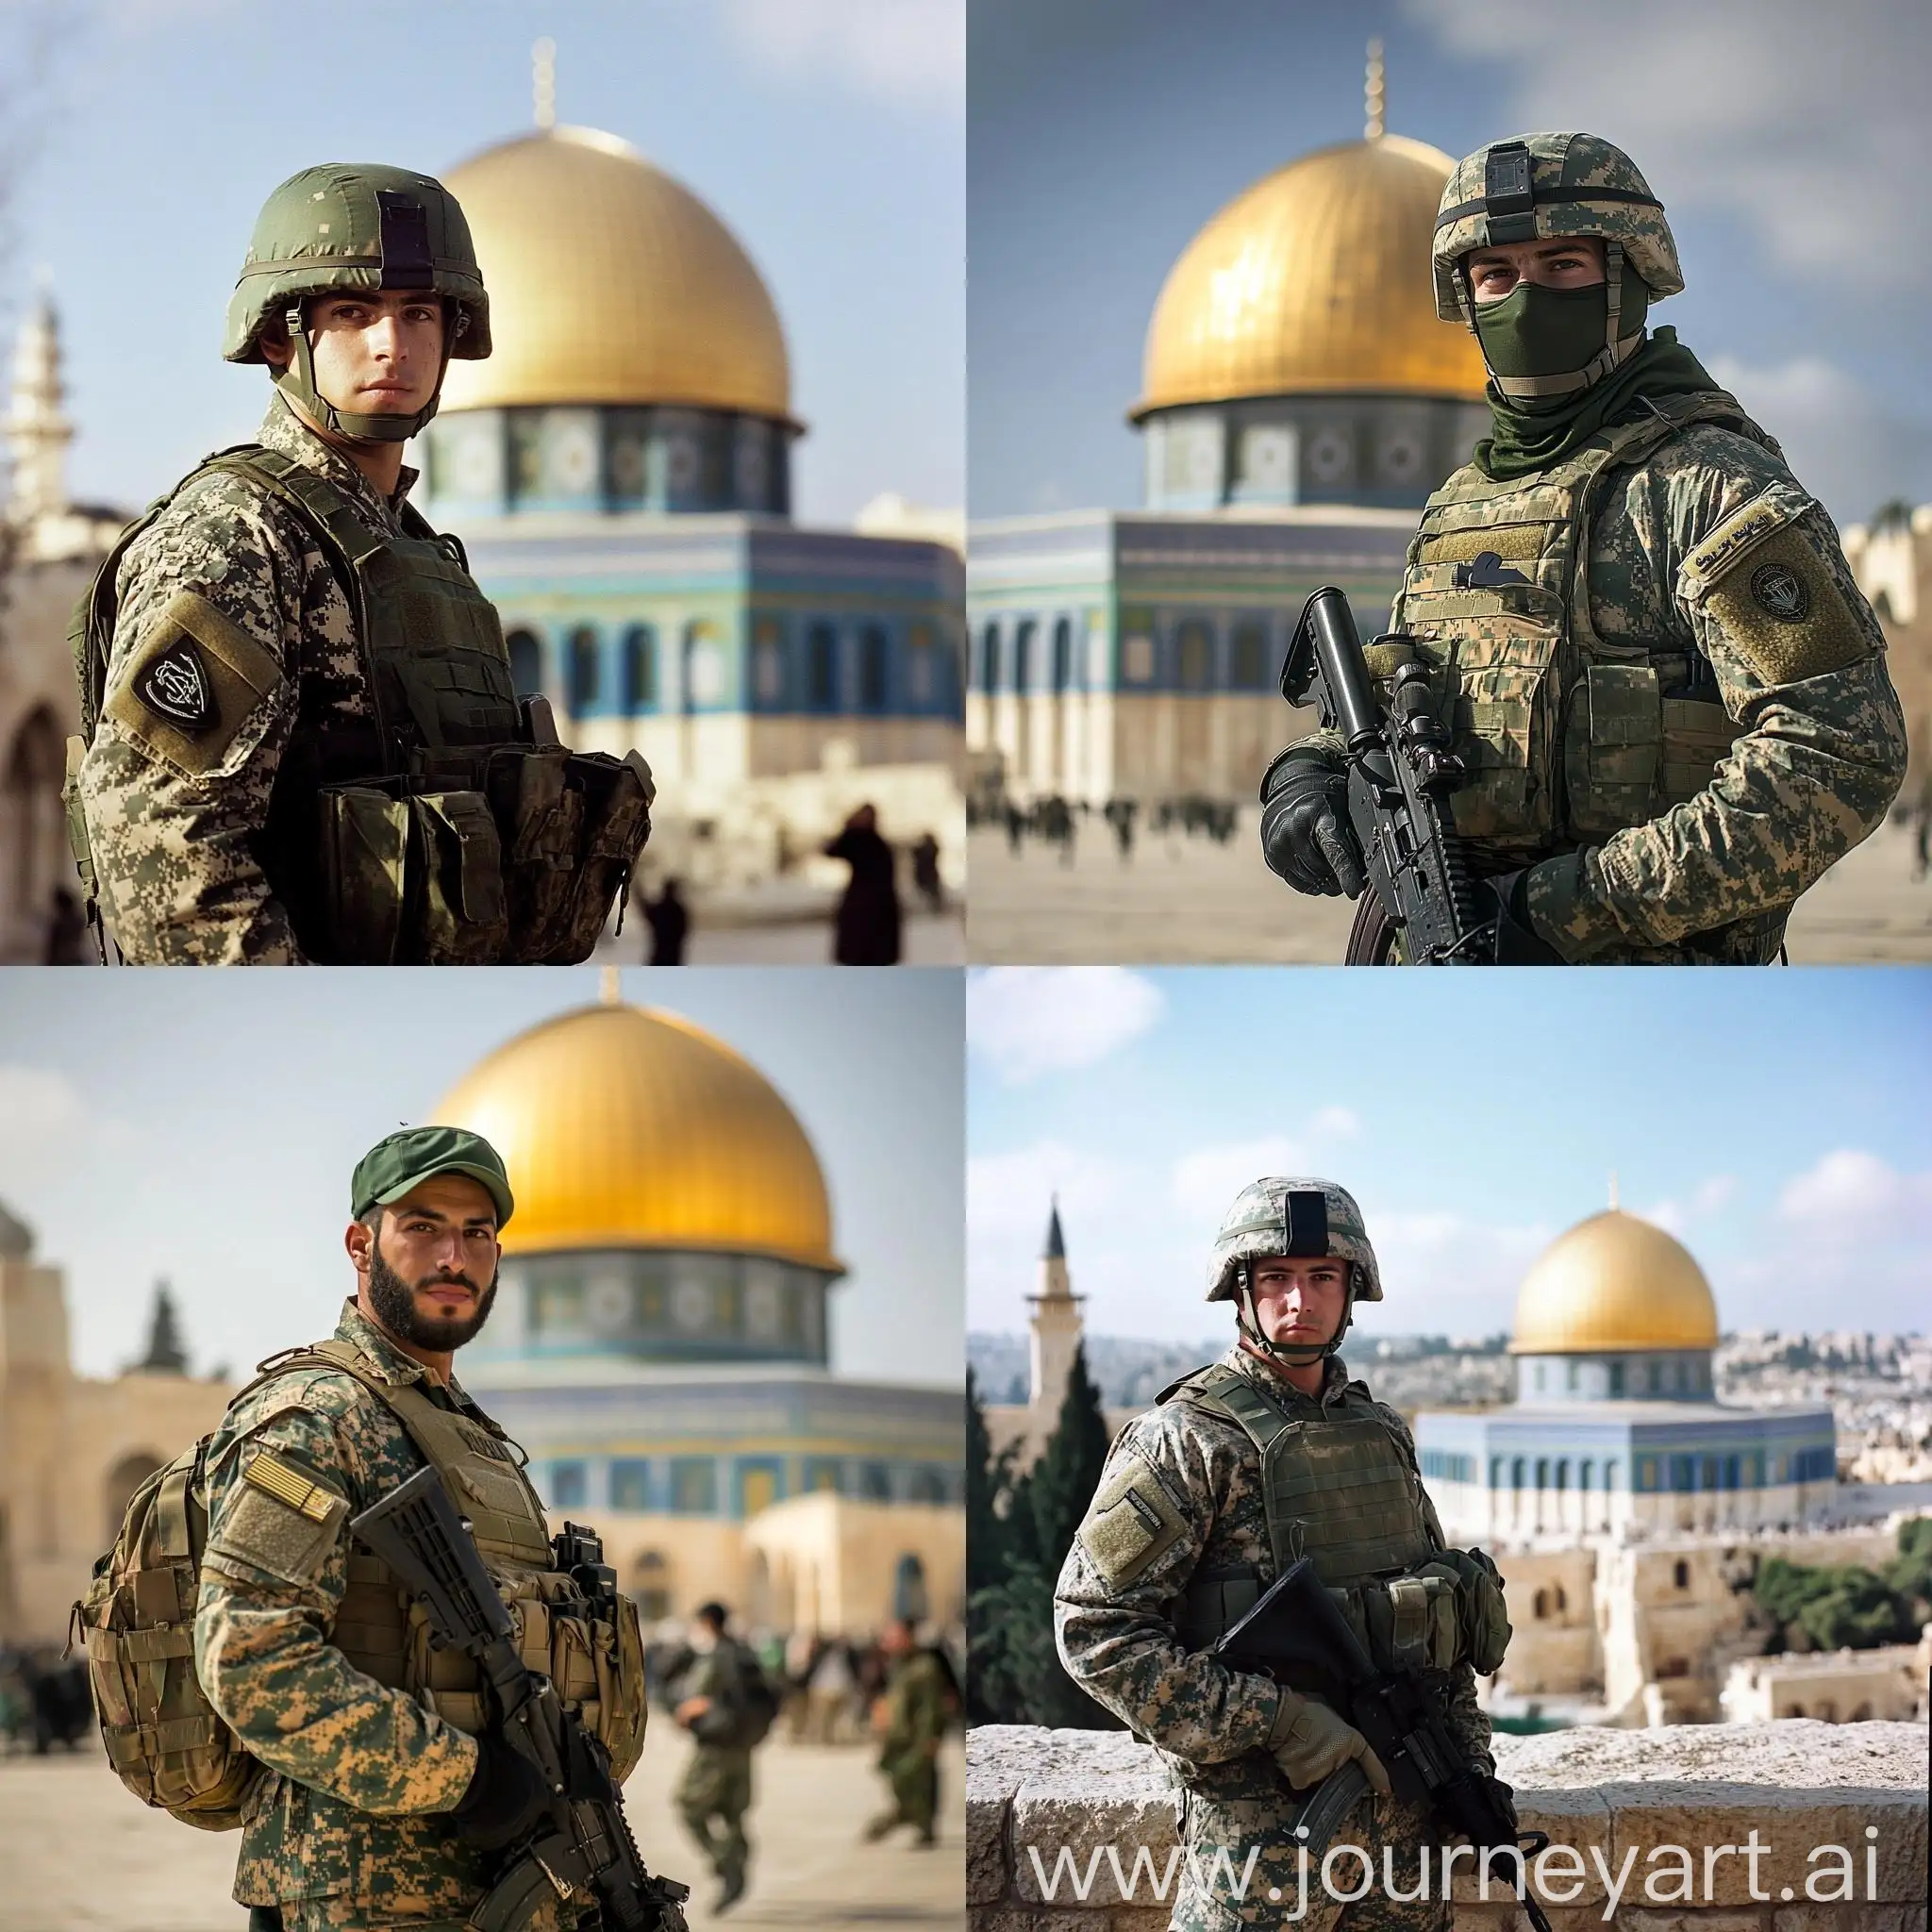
(408, 1158)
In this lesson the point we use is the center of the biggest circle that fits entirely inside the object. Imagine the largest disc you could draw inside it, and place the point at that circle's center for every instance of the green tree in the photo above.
(165, 1351)
(1066, 1477)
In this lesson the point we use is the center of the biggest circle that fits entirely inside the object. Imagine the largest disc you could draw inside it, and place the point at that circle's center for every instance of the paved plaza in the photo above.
(1189, 901)
(79, 1853)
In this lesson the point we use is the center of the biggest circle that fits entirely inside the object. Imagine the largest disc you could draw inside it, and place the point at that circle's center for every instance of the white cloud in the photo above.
(1852, 448)
(911, 53)
(44, 1125)
(1807, 122)
(1205, 1181)
(1444, 1273)
(1008, 1195)
(1034, 1020)
(1708, 1198)
(1858, 1199)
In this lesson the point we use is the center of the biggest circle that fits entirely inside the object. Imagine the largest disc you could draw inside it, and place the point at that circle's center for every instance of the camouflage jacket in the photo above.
(1821, 755)
(918, 1706)
(181, 882)
(1213, 1725)
(347, 1820)
(718, 1674)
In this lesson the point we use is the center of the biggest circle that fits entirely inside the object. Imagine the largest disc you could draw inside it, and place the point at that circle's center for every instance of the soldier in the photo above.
(1198, 1512)
(300, 739)
(382, 1792)
(1671, 695)
(918, 1706)
(713, 1705)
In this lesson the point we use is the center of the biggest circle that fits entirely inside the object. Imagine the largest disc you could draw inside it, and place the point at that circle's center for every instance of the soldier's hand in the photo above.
(1305, 836)
(1319, 1743)
(1504, 901)
(506, 1797)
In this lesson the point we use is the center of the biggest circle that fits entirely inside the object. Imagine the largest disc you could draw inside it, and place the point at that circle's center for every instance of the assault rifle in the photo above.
(582, 1850)
(1295, 1631)
(1400, 774)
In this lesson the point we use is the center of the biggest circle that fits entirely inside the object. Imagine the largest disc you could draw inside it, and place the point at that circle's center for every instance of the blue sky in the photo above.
(204, 1126)
(1774, 1122)
(828, 134)
(1789, 142)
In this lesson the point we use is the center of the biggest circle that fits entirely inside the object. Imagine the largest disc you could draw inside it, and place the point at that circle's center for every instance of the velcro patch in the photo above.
(1131, 1521)
(193, 684)
(287, 1484)
(1734, 540)
(1785, 614)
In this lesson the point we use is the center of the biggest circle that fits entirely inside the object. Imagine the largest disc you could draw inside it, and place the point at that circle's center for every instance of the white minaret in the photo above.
(37, 432)
(1055, 1329)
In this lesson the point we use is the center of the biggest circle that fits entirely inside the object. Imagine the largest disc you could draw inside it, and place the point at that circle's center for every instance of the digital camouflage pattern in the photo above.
(717, 1781)
(1565, 168)
(1214, 1727)
(175, 846)
(1253, 1227)
(347, 1831)
(918, 1710)
(1819, 744)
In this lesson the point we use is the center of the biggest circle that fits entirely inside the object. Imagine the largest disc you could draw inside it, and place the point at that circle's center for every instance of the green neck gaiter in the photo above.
(1532, 433)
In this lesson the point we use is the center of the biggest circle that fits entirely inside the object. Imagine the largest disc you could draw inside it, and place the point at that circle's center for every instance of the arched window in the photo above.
(821, 668)
(1540, 1605)
(639, 668)
(1542, 1472)
(1194, 650)
(1495, 1472)
(1680, 1573)
(118, 1492)
(1584, 1471)
(989, 658)
(1062, 655)
(1558, 1599)
(910, 1602)
(872, 669)
(1023, 655)
(526, 662)
(925, 1484)
(1609, 1476)
(1562, 1473)
(1248, 658)
(1616, 1379)
(650, 1584)
(1517, 1470)
(585, 671)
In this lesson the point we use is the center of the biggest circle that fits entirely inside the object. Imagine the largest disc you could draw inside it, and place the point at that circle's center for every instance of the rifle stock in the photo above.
(584, 1848)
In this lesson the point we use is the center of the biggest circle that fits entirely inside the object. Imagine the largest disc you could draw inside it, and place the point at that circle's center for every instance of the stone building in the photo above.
(620, 471)
(73, 1448)
(1835, 1685)
(1614, 1429)
(1891, 559)
(659, 1342)
(1300, 400)
(49, 550)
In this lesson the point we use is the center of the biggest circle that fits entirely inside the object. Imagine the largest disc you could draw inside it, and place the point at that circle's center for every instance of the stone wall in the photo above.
(1607, 1795)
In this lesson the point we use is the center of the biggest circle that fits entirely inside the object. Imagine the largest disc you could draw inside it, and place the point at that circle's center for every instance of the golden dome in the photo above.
(1613, 1283)
(609, 282)
(625, 1129)
(1317, 278)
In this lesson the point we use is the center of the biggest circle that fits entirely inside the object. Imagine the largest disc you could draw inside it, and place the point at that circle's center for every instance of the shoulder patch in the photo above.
(1784, 612)
(279, 1521)
(287, 1484)
(1740, 533)
(193, 684)
(1131, 1521)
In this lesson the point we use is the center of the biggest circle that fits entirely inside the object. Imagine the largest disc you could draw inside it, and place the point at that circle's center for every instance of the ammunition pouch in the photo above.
(507, 854)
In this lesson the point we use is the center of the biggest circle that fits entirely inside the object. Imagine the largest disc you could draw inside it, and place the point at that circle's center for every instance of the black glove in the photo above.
(1506, 900)
(1305, 836)
(1505, 1796)
(507, 1795)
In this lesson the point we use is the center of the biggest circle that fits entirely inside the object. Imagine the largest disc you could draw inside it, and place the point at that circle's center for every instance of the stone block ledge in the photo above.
(1612, 1797)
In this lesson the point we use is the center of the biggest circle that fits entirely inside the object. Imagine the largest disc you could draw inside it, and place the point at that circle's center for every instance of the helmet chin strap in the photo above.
(1303, 1355)
(298, 382)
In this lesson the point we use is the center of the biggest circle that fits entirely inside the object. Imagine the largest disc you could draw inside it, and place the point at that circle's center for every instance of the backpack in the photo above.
(760, 1699)
(165, 1740)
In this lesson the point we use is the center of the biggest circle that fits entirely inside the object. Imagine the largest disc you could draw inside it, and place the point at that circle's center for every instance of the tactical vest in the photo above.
(1568, 735)
(434, 832)
(1338, 1488)
(597, 1665)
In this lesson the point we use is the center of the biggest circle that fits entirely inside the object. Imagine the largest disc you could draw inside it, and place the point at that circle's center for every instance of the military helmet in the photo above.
(1536, 187)
(1296, 1218)
(354, 226)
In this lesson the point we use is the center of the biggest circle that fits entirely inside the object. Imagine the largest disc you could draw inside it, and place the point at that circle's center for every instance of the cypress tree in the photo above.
(1066, 1477)
(165, 1351)
(985, 1542)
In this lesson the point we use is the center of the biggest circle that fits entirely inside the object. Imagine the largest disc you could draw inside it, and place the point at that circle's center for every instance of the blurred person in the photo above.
(867, 930)
(926, 872)
(829, 1692)
(911, 1718)
(669, 918)
(727, 1703)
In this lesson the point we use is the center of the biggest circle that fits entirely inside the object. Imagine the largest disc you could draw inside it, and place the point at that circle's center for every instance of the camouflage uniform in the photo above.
(917, 1713)
(1214, 1727)
(181, 882)
(345, 1832)
(717, 1780)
